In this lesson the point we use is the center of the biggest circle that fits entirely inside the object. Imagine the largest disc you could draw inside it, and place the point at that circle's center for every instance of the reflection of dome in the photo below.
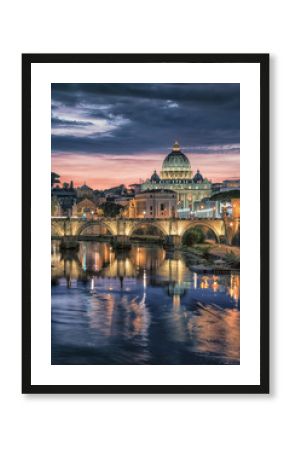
(198, 178)
(155, 178)
(176, 165)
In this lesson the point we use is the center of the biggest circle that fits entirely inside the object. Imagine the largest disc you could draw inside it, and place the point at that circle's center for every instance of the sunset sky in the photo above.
(110, 134)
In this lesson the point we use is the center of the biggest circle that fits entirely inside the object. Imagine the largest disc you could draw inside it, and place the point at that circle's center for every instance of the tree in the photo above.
(111, 209)
(226, 195)
(54, 178)
(192, 237)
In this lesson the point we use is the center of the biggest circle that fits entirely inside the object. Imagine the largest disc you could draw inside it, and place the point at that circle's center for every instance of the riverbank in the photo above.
(208, 257)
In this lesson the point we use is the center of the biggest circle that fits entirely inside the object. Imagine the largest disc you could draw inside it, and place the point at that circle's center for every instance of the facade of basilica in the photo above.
(176, 175)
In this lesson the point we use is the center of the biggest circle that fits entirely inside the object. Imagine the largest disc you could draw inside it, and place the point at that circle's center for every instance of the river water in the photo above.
(143, 306)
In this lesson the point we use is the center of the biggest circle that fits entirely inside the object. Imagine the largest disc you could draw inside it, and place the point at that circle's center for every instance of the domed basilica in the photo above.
(176, 174)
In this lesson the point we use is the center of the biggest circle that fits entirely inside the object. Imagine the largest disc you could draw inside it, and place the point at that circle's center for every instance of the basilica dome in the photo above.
(176, 165)
(198, 178)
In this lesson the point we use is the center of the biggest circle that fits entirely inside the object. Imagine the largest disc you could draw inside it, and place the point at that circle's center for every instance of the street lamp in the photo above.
(92, 212)
(144, 214)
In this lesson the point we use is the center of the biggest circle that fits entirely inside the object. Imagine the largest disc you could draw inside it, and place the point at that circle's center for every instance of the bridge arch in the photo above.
(201, 225)
(86, 225)
(145, 224)
(57, 229)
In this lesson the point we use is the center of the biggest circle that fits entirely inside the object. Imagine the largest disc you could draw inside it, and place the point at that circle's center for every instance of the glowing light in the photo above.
(204, 283)
(144, 279)
(215, 286)
(195, 280)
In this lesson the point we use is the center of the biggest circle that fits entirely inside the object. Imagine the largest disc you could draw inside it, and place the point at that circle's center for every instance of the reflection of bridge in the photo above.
(122, 229)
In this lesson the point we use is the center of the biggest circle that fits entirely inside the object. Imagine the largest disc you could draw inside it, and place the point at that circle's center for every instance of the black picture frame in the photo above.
(27, 61)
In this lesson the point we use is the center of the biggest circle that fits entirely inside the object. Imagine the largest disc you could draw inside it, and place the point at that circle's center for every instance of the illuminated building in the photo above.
(86, 208)
(217, 209)
(153, 204)
(65, 197)
(84, 191)
(56, 209)
(207, 209)
(176, 175)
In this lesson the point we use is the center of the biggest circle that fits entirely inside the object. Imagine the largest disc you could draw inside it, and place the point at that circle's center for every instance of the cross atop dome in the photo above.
(176, 147)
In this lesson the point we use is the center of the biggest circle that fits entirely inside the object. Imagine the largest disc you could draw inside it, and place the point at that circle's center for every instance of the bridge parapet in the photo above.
(75, 226)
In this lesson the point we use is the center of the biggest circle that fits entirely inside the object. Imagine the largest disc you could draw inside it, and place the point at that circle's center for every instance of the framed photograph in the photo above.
(145, 223)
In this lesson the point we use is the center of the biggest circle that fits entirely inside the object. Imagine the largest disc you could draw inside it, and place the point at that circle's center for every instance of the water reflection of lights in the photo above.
(138, 258)
(176, 302)
(117, 313)
(215, 286)
(101, 258)
(137, 316)
(144, 279)
(195, 280)
(174, 270)
(84, 262)
(97, 261)
(234, 289)
(104, 320)
(143, 300)
(147, 257)
(204, 282)
(210, 334)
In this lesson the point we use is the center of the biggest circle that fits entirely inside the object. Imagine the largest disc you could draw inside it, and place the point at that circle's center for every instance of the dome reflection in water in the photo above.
(144, 306)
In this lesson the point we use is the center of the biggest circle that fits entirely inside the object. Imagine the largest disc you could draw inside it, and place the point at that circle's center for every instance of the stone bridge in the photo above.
(122, 229)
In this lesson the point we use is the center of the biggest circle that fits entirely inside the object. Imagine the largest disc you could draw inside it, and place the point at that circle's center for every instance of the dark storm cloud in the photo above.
(56, 122)
(133, 118)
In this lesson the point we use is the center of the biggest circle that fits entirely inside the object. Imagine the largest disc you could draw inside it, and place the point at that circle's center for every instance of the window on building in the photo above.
(162, 206)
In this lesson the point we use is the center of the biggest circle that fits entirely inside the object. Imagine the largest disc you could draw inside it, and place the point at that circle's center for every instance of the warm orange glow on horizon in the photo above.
(104, 171)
